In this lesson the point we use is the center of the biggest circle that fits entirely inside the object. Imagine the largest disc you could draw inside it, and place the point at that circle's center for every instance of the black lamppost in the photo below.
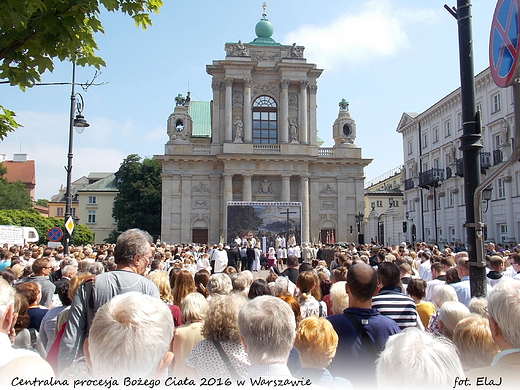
(78, 122)
(359, 220)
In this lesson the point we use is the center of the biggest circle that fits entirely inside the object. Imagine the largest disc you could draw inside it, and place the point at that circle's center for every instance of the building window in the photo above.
(501, 189)
(265, 123)
(447, 128)
(379, 203)
(73, 212)
(496, 102)
(436, 163)
(59, 212)
(410, 147)
(426, 203)
(427, 234)
(396, 203)
(452, 234)
(91, 218)
(460, 120)
(503, 232)
(451, 198)
(436, 135)
(425, 140)
(92, 200)
(497, 141)
(479, 108)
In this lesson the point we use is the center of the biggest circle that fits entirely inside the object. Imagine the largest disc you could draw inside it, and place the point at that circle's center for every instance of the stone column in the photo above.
(246, 188)
(214, 208)
(216, 112)
(313, 127)
(302, 113)
(511, 225)
(248, 112)
(228, 111)
(304, 198)
(228, 188)
(284, 113)
(342, 226)
(286, 187)
(185, 208)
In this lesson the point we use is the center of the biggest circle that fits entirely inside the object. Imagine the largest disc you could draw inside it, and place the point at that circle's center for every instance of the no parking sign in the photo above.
(504, 42)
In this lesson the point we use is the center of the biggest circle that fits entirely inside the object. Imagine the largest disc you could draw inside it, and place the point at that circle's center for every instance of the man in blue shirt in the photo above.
(357, 350)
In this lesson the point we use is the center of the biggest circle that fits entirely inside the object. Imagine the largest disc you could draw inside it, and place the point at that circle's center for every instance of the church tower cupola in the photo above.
(344, 128)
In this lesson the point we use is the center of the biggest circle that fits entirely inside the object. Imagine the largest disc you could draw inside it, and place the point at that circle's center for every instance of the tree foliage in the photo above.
(81, 235)
(33, 33)
(13, 195)
(138, 203)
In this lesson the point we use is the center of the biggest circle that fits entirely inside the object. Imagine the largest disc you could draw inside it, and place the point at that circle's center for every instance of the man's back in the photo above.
(85, 304)
(352, 360)
(392, 303)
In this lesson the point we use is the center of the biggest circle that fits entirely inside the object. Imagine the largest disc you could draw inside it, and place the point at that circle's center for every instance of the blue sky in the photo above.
(385, 57)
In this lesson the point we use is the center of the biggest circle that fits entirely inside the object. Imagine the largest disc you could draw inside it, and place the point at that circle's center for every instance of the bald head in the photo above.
(362, 281)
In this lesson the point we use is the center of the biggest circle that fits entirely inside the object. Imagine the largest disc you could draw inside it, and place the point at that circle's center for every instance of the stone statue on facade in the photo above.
(293, 129)
(504, 132)
(296, 51)
(238, 50)
(239, 129)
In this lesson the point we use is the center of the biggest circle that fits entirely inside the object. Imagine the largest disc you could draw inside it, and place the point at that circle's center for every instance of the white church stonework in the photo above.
(257, 141)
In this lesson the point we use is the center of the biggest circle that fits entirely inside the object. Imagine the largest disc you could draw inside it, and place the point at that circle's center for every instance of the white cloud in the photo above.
(377, 29)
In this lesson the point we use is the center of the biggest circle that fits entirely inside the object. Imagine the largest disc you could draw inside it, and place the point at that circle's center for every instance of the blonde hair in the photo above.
(162, 281)
(316, 342)
(473, 339)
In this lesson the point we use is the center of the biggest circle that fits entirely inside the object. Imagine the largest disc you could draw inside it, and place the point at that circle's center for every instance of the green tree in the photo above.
(138, 203)
(42, 202)
(81, 235)
(34, 33)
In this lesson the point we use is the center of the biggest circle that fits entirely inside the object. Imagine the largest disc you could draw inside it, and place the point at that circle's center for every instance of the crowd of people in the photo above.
(340, 316)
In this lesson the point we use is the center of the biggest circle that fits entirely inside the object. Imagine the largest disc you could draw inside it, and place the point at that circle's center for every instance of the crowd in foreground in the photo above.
(138, 313)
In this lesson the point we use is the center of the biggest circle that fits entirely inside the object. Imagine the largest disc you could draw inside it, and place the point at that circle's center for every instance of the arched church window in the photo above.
(265, 122)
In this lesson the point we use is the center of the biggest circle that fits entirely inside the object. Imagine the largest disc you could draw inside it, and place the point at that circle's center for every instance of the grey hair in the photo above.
(120, 329)
(435, 360)
(68, 270)
(96, 268)
(338, 297)
(443, 293)
(219, 284)
(504, 309)
(239, 281)
(268, 328)
(130, 243)
(450, 314)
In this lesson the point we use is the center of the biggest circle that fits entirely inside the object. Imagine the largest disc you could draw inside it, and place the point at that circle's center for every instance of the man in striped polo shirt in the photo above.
(391, 302)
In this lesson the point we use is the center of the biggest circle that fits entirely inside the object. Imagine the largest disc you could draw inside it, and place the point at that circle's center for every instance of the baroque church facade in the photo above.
(257, 141)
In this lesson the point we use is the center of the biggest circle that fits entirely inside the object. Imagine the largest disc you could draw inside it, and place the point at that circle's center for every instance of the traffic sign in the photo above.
(504, 42)
(54, 234)
(69, 225)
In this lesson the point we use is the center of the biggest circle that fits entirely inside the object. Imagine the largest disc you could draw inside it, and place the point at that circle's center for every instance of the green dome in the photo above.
(264, 28)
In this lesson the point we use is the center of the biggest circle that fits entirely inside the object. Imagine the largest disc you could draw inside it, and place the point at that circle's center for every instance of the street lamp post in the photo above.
(78, 122)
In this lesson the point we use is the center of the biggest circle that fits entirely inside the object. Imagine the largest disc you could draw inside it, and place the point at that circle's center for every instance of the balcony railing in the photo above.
(498, 157)
(485, 160)
(449, 173)
(431, 177)
(326, 151)
(485, 163)
(408, 184)
(459, 171)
